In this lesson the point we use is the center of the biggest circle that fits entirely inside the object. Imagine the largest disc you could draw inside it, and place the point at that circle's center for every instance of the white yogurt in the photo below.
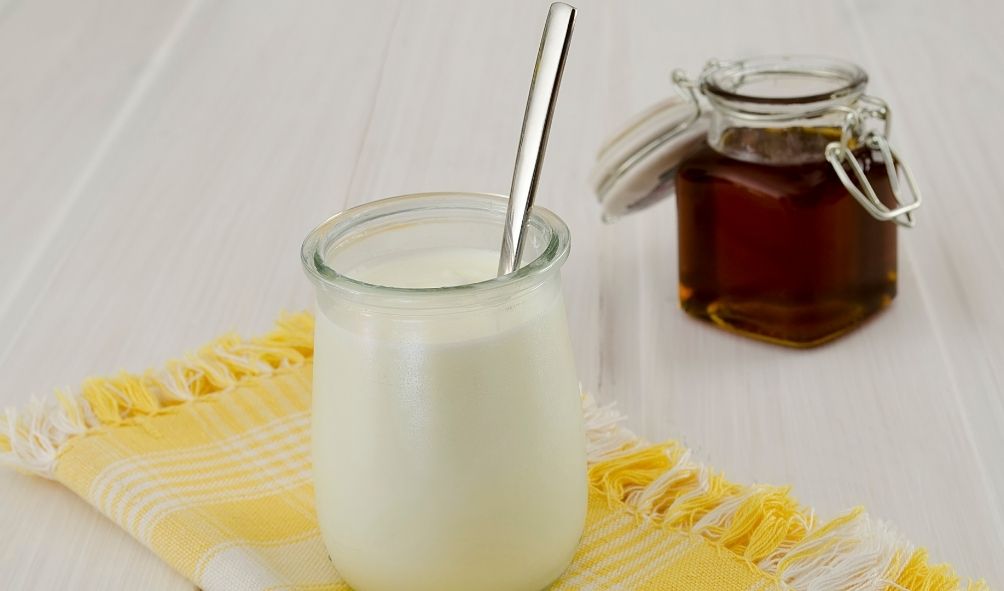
(432, 267)
(448, 447)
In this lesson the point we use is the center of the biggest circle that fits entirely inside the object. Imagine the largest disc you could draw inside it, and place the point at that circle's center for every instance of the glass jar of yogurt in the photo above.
(448, 443)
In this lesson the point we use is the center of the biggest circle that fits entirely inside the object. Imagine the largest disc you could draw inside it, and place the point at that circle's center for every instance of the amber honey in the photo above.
(781, 252)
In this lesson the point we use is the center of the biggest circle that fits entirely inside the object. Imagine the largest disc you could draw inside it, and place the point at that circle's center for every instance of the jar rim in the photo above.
(838, 82)
(316, 246)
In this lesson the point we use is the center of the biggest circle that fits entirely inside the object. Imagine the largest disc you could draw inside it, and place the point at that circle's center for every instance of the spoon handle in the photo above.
(536, 124)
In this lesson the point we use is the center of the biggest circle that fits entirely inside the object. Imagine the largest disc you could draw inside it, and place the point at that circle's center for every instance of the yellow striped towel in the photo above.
(207, 463)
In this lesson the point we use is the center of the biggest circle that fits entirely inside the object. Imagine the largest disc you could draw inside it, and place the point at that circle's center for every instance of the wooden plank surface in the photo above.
(164, 166)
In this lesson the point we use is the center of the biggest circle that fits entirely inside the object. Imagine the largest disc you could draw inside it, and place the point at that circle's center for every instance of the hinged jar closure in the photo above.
(762, 108)
(781, 110)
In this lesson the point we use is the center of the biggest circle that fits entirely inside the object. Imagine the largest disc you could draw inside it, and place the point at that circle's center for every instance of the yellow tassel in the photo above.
(103, 402)
(823, 535)
(918, 575)
(761, 523)
(138, 398)
(618, 478)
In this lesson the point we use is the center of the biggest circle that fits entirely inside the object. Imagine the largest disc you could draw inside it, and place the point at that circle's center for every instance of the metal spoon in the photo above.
(536, 124)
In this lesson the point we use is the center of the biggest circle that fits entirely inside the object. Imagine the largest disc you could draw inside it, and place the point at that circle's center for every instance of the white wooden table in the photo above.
(160, 162)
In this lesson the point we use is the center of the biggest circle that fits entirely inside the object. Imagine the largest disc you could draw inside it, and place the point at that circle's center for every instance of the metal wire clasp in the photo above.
(840, 155)
(687, 89)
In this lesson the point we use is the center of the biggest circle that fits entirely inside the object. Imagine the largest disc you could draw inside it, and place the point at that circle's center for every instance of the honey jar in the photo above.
(788, 194)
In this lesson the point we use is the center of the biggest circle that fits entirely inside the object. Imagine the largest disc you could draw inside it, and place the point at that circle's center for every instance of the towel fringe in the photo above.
(31, 438)
(762, 525)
